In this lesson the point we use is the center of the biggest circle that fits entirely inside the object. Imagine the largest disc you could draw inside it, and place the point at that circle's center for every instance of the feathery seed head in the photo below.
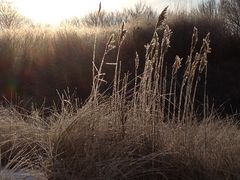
(166, 38)
(177, 65)
(205, 50)
(136, 61)
(194, 38)
(111, 42)
(122, 32)
(162, 17)
(100, 7)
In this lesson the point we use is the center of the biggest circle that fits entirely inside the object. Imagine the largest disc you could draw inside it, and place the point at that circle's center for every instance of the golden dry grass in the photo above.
(151, 130)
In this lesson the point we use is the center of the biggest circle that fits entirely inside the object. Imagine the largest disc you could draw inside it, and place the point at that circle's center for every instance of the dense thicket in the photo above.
(35, 62)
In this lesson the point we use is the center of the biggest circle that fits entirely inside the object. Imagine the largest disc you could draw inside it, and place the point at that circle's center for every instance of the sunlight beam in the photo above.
(55, 11)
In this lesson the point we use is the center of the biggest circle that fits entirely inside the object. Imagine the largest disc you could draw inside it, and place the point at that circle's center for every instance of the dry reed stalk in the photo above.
(175, 67)
(135, 93)
(94, 92)
(203, 66)
(100, 75)
(117, 69)
(194, 67)
(165, 44)
(193, 63)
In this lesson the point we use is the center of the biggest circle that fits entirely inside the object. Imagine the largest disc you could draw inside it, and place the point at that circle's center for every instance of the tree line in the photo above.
(226, 10)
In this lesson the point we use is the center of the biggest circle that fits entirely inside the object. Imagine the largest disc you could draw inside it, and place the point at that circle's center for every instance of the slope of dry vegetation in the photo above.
(147, 127)
(68, 147)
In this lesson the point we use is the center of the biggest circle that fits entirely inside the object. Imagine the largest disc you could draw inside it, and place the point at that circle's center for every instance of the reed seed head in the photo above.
(205, 50)
(111, 42)
(194, 38)
(123, 32)
(177, 65)
(166, 38)
(136, 61)
(162, 17)
(100, 7)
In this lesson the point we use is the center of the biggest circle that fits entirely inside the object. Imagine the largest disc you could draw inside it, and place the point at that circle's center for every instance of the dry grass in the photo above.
(68, 146)
(151, 130)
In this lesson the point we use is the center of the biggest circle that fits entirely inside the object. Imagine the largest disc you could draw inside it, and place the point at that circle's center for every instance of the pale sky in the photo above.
(54, 11)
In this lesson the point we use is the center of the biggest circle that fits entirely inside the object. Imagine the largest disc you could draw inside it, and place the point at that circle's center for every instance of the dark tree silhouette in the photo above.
(105, 18)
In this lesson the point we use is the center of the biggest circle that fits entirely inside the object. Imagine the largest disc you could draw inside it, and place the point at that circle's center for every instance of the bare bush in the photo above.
(10, 16)
(230, 10)
(140, 10)
(104, 18)
(208, 9)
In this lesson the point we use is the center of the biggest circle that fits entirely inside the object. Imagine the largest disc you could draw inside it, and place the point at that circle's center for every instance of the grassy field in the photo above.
(148, 125)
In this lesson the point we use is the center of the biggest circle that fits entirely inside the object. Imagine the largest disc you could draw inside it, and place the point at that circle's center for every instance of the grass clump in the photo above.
(148, 127)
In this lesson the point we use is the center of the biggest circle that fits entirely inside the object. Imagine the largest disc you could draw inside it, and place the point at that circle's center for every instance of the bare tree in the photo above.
(75, 21)
(140, 10)
(208, 8)
(9, 15)
(230, 10)
(104, 18)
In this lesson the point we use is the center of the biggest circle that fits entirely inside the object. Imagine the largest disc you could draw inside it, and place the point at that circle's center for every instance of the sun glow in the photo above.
(54, 11)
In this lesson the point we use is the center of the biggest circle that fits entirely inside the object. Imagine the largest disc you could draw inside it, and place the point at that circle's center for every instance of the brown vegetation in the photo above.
(148, 125)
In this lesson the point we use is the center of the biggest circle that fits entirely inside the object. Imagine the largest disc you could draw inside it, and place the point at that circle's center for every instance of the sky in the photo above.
(54, 11)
